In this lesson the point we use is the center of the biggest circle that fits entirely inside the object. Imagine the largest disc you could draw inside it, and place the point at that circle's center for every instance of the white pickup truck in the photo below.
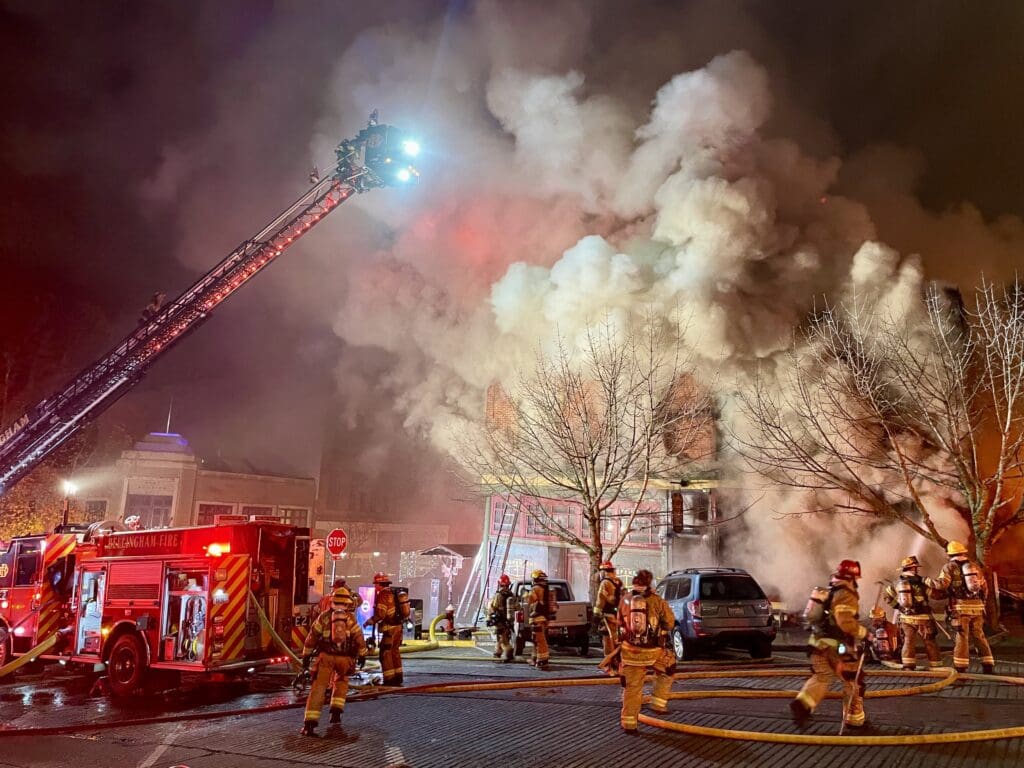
(570, 626)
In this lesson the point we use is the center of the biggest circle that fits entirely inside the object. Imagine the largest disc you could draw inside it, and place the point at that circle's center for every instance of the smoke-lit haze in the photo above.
(719, 159)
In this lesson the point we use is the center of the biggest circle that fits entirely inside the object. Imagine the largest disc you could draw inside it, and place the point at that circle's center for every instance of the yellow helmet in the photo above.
(955, 548)
(341, 598)
(910, 561)
(877, 613)
(539, 575)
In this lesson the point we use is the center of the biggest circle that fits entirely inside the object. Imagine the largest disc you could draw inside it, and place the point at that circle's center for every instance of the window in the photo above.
(208, 512)
(562, 518)
(642, 532)
(293, 515)
(250, 509)
(504, 518)
(729, 588)
(536, 514)
(152, 511)
(28, 564)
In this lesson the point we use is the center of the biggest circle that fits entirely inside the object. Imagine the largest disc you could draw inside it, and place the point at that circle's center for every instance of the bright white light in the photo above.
(70, 489)
(219, 596)
(376, 554)
(411, 147)
(403, 174)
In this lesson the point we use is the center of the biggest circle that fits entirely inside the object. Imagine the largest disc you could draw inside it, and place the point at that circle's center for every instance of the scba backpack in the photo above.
(639, 630)
(402, 607)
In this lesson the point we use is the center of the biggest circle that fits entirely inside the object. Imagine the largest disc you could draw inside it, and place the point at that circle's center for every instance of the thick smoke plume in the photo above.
(570, 172)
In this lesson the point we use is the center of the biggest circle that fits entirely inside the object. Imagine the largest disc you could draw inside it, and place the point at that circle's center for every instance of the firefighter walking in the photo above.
(963, 582)
(336, 639)
(501, 612)
(833, 647)
(541, 606)
(606, 608)
(916, 617)
(390, 610)
(645, 620)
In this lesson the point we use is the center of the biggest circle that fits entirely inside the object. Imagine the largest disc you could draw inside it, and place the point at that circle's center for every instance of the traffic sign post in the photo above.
(335, 543)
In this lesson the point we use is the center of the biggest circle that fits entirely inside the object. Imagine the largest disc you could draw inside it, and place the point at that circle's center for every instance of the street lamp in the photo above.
(70, 489)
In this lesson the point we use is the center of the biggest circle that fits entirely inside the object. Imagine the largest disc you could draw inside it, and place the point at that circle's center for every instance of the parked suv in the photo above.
(716, 607)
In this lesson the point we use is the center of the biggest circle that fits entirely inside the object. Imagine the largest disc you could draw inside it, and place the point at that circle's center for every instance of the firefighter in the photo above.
(502, 610)
(833, 646)
(963, 582)
(645, 620)
(389, 612)
(916, 617)
(606, 609)
(541, 606)
(325, 601)
(336, 639)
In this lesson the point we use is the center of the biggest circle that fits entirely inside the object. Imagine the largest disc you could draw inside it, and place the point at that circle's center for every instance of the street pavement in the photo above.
(550, 726)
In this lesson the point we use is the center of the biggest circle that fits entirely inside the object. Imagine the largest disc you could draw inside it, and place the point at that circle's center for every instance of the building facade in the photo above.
(162, 482)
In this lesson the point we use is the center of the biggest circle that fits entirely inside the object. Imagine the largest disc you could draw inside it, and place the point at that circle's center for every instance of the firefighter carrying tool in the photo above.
(963, 582)
(915, 615)
(390, 611)
(833, 645)
(541, 606)
(337, 641)
(502, 611)
(606, 609)
(646, 621)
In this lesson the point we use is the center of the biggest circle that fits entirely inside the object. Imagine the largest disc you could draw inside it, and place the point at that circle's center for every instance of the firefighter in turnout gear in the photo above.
(336, 639)
(390, 611)
(645, 621)
(541, 606)
(963, 582)
(502, 613)
(606, 609)
(916, 617)
(833, 646)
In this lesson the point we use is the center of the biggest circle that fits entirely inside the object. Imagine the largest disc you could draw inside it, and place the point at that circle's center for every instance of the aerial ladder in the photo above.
(378, 156)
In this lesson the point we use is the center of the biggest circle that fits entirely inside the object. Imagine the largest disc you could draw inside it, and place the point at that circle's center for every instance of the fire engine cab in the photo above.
(36, 575)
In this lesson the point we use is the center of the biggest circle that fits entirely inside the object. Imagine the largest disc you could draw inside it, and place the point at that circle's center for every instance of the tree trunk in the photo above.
(595, 576)
(992, 617)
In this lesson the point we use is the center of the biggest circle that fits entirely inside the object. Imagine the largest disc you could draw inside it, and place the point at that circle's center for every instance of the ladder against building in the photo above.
(489, 564)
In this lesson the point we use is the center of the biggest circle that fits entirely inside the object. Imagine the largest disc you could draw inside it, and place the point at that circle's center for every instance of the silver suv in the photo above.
(716, 607)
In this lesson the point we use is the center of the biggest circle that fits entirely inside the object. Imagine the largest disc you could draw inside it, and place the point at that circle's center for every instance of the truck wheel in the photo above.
(520, 644)
(684, 651)
(126, 665)
(761, 648)
(5, 647)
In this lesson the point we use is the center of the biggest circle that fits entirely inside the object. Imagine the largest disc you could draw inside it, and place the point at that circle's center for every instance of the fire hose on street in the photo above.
(942, 679)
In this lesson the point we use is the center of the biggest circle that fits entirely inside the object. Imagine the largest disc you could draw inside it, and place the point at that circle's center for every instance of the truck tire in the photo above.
(761, 648)
(126, 665)
(5, 646)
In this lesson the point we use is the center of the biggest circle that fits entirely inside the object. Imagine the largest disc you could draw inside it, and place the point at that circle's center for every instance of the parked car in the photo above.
(718, 607)
(570, 626)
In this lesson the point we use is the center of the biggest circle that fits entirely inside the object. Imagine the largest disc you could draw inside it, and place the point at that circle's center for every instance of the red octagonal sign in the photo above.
(336, 542)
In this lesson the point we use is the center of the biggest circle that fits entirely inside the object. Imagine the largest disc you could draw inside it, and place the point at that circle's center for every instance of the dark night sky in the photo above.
(95, 93)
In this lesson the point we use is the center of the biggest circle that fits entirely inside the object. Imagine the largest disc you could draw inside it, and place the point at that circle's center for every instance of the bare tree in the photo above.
(890, 416)
(595, 426)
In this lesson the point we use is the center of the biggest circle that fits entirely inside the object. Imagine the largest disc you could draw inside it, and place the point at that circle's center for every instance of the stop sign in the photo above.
(336, 542)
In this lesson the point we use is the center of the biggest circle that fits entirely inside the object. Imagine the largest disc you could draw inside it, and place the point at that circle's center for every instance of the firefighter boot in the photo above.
(335, 716)
(309, 729)
(801, 714)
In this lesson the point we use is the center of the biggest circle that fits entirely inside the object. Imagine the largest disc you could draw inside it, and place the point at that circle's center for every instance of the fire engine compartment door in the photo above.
(91, 585)
(184, 615)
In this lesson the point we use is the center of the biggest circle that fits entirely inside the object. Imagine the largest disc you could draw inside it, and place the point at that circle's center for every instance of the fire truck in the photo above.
(213, 600)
